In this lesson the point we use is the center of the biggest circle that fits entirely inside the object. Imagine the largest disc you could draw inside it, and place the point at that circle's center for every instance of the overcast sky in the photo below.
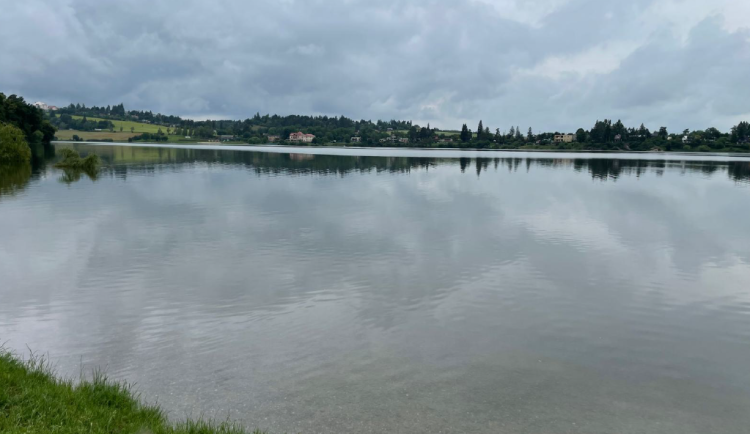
(548, 64)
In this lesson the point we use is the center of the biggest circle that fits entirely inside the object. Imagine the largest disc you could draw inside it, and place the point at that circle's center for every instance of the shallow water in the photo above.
(396, 291)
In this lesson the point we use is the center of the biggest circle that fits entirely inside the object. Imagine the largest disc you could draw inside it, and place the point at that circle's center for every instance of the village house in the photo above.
(226, 138)
(41, 105)
(274, 138)
(356, 139)
(563, 138)
(301, 137)
(394, 139)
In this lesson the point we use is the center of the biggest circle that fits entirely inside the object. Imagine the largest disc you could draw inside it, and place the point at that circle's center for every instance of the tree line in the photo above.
(258, 129)
(66, 121)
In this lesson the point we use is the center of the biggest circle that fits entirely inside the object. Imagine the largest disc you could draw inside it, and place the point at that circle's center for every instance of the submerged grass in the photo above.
(72, 160)
(33, 400)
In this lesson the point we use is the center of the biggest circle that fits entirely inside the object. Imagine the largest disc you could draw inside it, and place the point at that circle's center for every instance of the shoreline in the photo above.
(35, 400)
(434, 152)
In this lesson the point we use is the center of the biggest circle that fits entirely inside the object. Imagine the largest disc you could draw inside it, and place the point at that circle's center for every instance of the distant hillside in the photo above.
(339, 130)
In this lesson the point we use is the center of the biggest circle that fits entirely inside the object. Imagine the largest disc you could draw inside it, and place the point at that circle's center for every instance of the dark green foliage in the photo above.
(13, 146)
(581, 135)
(66, 121)
(151, 137)
(741, 133)
(465, 134)
(33, 401)
(15, 111)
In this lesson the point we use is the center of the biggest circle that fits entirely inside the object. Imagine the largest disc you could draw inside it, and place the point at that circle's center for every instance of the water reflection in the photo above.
(145, 159)
(70, 175)
(14, 178)
(320, 293)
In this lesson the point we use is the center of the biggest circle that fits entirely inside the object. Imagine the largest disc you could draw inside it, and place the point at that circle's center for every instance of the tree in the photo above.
(530, 135)
(480, 130)
(13, 146)
(26, 117)
(518, 133)
(465, 134)
(619, 129)
(740, 132)
(132, 130)
(663, 134)
(581, 135)
(121, 129)
(512, 132)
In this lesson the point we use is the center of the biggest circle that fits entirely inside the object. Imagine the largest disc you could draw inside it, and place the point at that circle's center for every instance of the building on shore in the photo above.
(274, 138)
(226, 138)
(394, 139)
(564, 138)
(301, 137)
(356, 139)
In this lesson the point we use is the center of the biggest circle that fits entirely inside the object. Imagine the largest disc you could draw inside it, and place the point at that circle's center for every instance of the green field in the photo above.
(116, 135)
(34, 401)
(138, 127)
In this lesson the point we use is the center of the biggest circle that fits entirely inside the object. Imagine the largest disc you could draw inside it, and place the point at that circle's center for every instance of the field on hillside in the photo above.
(138, 127)
(116, 135)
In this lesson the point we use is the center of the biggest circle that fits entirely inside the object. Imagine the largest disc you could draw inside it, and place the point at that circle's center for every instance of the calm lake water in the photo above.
(382, 293)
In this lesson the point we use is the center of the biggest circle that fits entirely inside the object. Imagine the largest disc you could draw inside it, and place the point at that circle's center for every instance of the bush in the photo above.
(72, 160)
(13, 146)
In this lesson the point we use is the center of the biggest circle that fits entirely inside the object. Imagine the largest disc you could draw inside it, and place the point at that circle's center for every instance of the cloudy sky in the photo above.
(549, 64)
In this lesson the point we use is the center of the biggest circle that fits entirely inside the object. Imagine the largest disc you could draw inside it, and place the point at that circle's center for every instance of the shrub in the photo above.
(72, 160)
(13, 146)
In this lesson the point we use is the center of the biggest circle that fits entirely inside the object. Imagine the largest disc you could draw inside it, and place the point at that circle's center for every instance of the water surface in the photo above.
(393, 292)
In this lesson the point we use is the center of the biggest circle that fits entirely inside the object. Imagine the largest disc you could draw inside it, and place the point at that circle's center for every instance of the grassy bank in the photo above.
(33, 400)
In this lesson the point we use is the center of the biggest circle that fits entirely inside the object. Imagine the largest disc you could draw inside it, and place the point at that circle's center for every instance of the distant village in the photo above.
(324, 130)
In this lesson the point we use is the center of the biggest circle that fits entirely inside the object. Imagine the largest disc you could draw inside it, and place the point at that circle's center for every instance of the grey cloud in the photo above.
(438, 61)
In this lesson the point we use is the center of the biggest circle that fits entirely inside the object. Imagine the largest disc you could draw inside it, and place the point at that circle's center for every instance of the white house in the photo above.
(301, 137)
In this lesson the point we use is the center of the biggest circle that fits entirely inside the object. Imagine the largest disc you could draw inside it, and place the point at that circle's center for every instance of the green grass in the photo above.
(34, 401)
(117, 135)
(138, 127)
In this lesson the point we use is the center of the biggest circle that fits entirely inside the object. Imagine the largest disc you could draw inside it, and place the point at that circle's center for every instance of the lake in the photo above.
(385, 291)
